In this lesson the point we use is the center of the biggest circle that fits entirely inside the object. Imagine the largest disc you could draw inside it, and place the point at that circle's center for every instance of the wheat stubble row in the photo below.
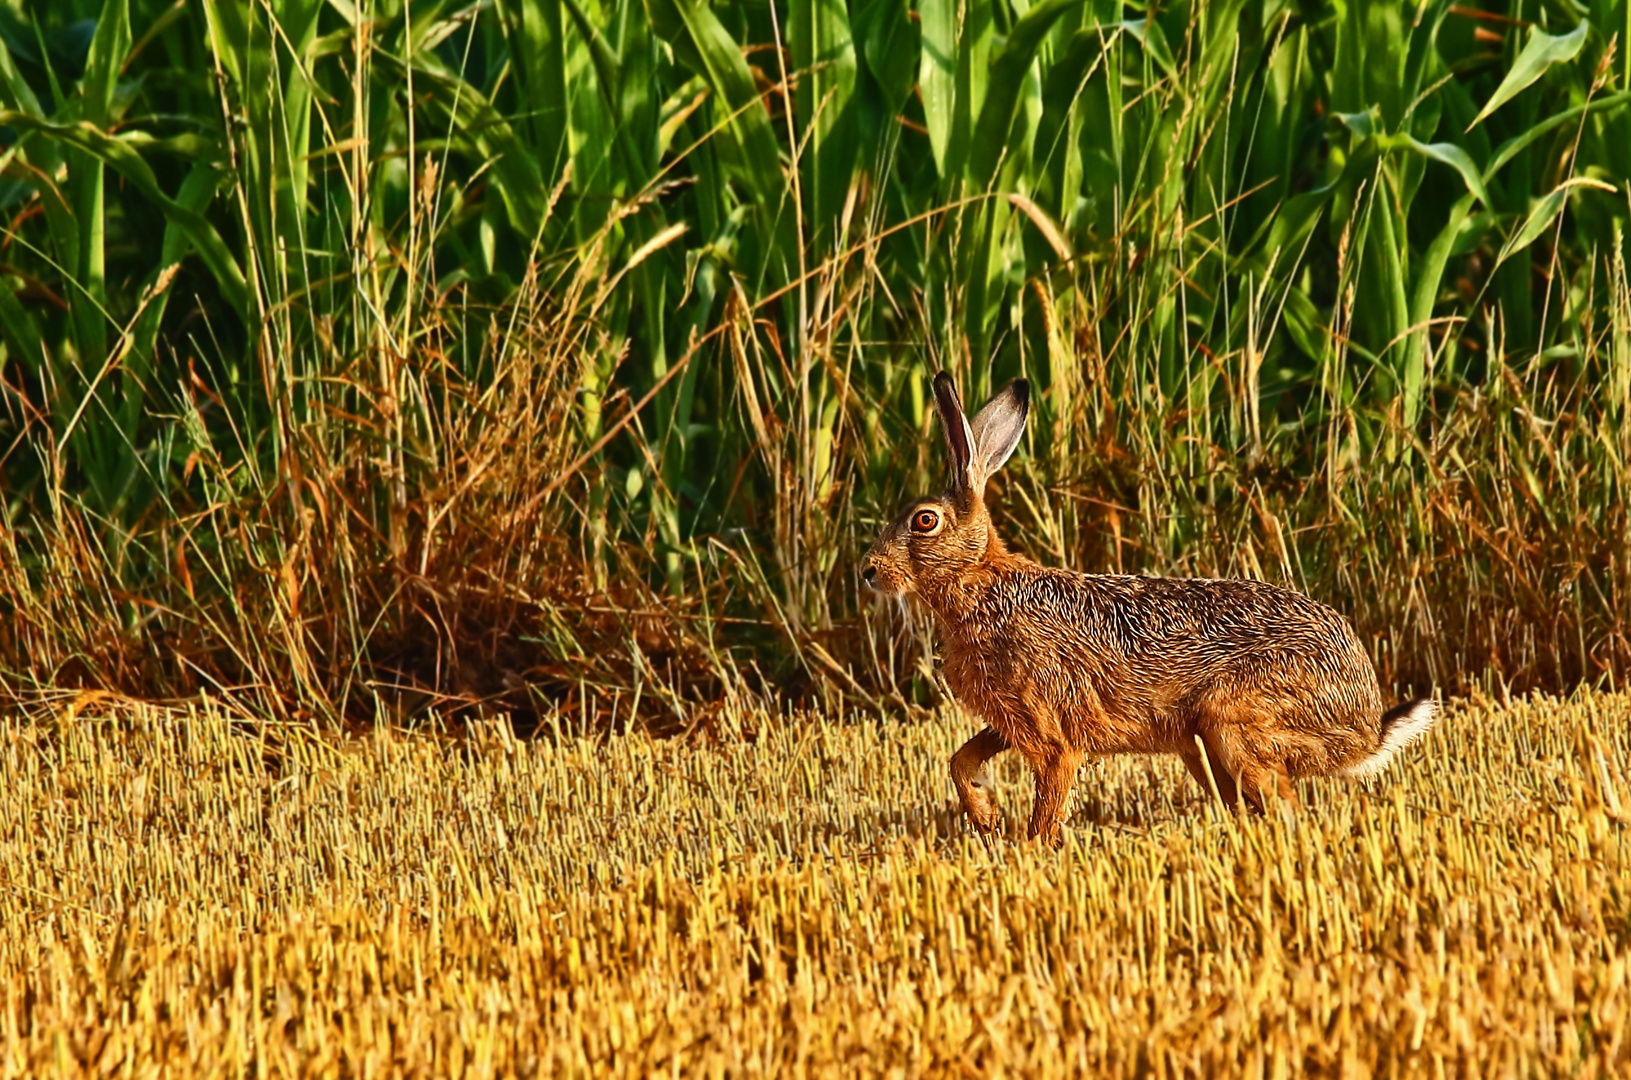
(182, 896)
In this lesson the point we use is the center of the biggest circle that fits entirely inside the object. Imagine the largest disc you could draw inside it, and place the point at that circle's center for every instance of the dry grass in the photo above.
(181, 895)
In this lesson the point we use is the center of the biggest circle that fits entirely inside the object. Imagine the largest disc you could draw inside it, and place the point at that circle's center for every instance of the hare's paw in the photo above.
(984, 816)
(979, 804)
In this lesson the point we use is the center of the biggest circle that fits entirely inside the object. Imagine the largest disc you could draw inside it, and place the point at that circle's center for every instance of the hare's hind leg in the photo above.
(1242, 769)
(1220, 779)
(1245, 744)
(973, 781)
(1264, 783)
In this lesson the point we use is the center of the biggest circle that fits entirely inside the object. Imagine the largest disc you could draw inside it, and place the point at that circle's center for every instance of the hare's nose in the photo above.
(868, 575)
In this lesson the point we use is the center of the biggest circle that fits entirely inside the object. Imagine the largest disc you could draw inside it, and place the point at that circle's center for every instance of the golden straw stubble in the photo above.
(176, 894)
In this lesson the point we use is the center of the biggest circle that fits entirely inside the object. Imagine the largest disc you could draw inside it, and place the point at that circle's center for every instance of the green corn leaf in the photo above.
(890, 42)
(1067, 98)
(1422, 53)
(977, 45)
(1541, 52)
(109, 47)
(533, 34)
(1431, 272)
(1362, 124)
(122, 157)
(1297, 217)
(86, 185)
(1379, 234)
(229, 31)
(21, 330)
(1539, 220)
(818, 33)
(592, 134)
(1445, 153)
(1515, 145)
(19, 96)
(1305, 325)
(468, 117)
(639, 92)
(1429, 278)
(737, 99)
(937, 75)
(605, 61)
(1154, 42)
(1003, 90)
(195, 195)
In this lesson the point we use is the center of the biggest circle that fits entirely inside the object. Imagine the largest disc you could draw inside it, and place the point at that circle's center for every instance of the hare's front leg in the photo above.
(973, 782)
(1055, 770)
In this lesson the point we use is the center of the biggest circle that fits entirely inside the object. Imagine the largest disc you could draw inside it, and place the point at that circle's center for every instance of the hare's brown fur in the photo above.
(1252, 685)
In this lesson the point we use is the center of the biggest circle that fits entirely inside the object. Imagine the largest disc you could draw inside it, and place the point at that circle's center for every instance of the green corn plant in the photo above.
(1264, 262)
(96, 375)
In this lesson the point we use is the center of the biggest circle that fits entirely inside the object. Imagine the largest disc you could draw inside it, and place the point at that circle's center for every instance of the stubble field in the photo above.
(182, 895)
(396, 359)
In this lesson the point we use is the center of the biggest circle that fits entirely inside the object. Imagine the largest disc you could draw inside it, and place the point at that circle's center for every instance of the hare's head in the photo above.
(939, 538)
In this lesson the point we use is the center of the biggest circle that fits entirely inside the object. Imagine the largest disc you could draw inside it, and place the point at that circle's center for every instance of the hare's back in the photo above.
(1189, 622)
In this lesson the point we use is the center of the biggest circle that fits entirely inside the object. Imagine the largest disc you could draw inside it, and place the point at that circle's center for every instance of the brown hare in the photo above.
(1253, 686)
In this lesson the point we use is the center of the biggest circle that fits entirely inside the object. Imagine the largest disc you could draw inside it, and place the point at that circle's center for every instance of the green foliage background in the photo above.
(410, 354)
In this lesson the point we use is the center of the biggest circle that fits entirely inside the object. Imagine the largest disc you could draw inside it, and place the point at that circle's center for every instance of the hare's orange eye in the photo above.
(925, 521)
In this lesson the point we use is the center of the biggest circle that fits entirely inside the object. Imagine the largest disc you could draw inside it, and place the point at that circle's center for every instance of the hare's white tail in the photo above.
(1401, 726)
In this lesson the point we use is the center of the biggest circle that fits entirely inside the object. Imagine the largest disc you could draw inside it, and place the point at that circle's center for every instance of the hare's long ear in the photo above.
(998, 427)
(959, 436)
